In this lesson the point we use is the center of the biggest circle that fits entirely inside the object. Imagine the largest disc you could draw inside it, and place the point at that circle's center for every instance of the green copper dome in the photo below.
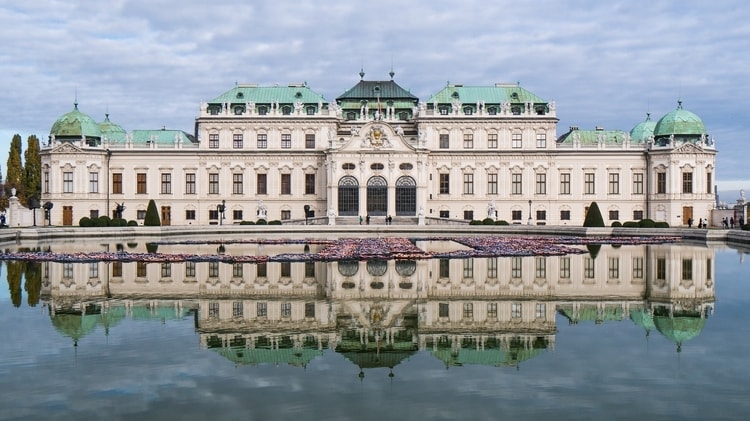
(679, 122)
(113, 132)
(643, 130)
(680, 326)
(75, 124)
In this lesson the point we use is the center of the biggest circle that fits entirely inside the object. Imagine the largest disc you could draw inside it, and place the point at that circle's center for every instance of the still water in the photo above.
(626, 332)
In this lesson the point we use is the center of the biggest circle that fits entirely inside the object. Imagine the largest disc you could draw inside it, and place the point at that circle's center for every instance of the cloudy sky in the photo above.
(151, 62)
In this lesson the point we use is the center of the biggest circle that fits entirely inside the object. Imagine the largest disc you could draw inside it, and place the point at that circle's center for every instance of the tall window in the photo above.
(541, 140)
(468, 183)
(68, 182)
(540, 266)
(262, 141)
(687, 269)
(261, 186)
(213, 140)
(309, 183)
(589, 185)
(237, 141)
(190, 183)
(637, 267)
(190, 269)
(516, 183)
(444, 141)
(444, 184)
(213, 183)
(468, 140)
(492, 140)
(166, 183)
(468, 311)
(237, 309)
(687, 182)
(661, 183)
(589, 268)
(492, 183)
(140, 183)
(638, 183)
(310, 141)
(516, 268)
(46, 181)
(286, 184)
(565, 183)
(468, 268)
(614, 268)
(261, 309)
(286, 140)
(709, 182)
(541, 184)
(237, 183)
(444, 268)
(565, 268)
(661, 268)
(516, 140)
(93, 182)
(516, 310)
(237, 270)
(492, 267)
(614, 183)
(213, 269)
(492, 310)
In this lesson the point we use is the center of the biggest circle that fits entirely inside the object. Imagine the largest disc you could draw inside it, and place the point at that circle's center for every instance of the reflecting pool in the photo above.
(654, 331)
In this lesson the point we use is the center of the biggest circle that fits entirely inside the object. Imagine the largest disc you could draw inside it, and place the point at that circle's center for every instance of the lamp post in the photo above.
(220, 208)
(307, 212)
(529, 223)
(47, 210)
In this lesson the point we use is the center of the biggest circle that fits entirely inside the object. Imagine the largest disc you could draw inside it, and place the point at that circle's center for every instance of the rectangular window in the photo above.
(516, 268)
(213, 214)
(141, 183)
(541, 215)
(140, 214)
(540, 265)
(213, 309)
(166, 270)
(237, 309)
(46, 181)
(614, 215)
(309, 310)
(492, 183)
(709, 182)
(445, 214)
(541, 184)
(516, 183)
(286, 309)
(286, 184)
(565, 267)
(237, 183)
(93, 182)
(261, 187)
(213, 183)
(492, 140)
(638, 183)
(515, 215)
(166, 183)
(709, 270)
(589, 184)
(516, 140)
(468, 311)
(261, 270)
(565, 183)
(443, 310)
(190, 183)
(117, 183)
(445, 268)
(637, 267)
(468, 215)
(116, 269)
(309, 183)
(309, 269)
(492, 267)
(589, 267)
(614, 183)
(661, 183)
(67, 270)
(468, 183)
(286, 269)
(637, 215)
(310, 141)
(468, 141)
(614, 268)
(237, 270)
(286, 214)
(262, 141)
(687, 269)
(286, 141)
(94, 270)
(94, 213)
(565, 215)
(468, 268)
(541, 140)
(541, 310)
(687, 182)
(444, 141)
(140, 269)
(237, 214)
(516, 309)
(213, 269)
(213, 140)
(444, 184)
(67, 182)
(492, 310)
(661, 268)
(237, 140)
(262, 309)
(190, 214)
(190, 269)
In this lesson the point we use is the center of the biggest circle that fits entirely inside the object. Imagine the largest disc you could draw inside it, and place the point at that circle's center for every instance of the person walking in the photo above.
(690, 222)
(731, 222)
(360, 219)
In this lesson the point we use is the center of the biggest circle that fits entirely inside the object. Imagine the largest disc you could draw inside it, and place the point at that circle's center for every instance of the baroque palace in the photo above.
(467, 152)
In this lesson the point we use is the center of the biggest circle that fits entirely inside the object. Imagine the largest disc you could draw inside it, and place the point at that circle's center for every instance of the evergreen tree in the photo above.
(593, 217)
(13, 177)
(32, 170)
(152, 215)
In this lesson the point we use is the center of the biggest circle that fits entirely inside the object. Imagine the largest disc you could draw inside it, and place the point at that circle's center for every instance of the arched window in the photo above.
(377, 196)
(348, 196)
(406, 196)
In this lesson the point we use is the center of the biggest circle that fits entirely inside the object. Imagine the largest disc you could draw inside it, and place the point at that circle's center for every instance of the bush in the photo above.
(475, 222)
(274, 222)
(746, 227)
(247, 223)
(593, 217)
(661, 224)
(132, 223)
(488, 221)
(152, 215)
(85, 222)
(118, 222)
(646, 223)
(152, 247)
(103, 221)
(616, 224)
(630, 224)
(261, 221)
(502, 222)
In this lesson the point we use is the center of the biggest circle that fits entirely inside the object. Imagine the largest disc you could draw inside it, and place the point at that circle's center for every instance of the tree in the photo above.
(13, 177)
(593, 217)
(32, 170)
(152, 215)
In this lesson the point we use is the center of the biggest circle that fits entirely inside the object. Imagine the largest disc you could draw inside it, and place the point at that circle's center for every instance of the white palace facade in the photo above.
(466, 153)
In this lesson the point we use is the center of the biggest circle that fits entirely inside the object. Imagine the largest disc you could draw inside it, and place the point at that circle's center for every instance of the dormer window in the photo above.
(514, 95)
(516, 110)
(443, 110)
(262, 110)
(455, 95)
(286, 110)
(403, 115)
(298, 94)
(239, 110)
(311, 110)
(468, 111)
(492, 111)
(240, 95)
(350, 116)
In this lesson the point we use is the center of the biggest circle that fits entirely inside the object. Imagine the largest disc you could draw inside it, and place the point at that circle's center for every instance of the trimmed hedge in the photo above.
(501, 222)
(646, 223)
(85, 222)
(616, 224)
(152, 215)
(593, 217)
(274, 222)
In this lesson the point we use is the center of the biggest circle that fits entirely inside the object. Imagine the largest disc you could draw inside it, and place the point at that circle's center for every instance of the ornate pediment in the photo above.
(66, 147)
(687, 148)
(376, 137)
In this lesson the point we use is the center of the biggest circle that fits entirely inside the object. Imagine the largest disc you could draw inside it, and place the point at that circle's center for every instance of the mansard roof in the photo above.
(497, 94)
(593, 137)
(290, 94)
(371, 90)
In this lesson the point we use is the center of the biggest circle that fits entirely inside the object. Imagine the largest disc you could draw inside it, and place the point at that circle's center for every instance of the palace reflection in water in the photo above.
(489, 311)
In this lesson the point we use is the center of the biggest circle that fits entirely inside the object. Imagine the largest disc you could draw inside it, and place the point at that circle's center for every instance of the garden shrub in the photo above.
(593, 217)
(85, 222)
(152, 215)
(646, 223)
(501, 222)
(616, 224)
(488, 221)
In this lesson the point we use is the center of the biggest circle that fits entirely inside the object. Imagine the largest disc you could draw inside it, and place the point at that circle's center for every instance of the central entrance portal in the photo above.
(377, 196)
